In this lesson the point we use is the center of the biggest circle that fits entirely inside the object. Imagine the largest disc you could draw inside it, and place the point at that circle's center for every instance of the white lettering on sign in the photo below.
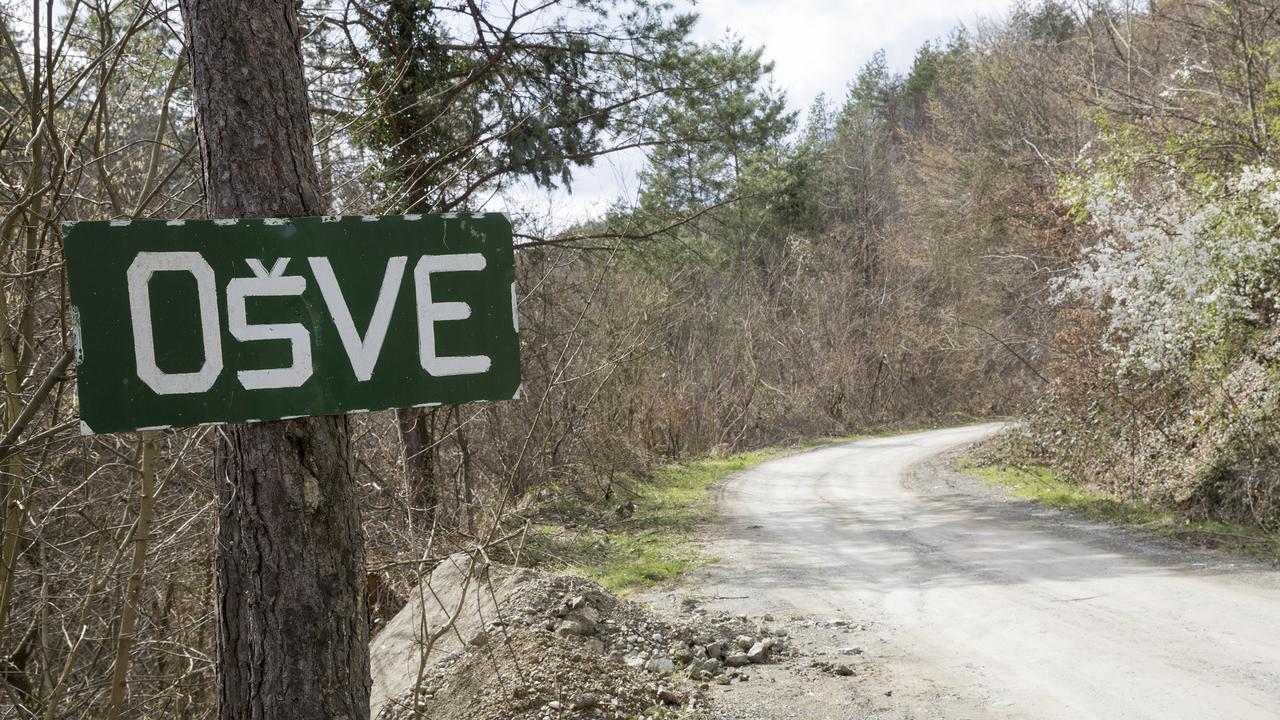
(430, 313)
(271, 283)
(144, 266)
(363, 352)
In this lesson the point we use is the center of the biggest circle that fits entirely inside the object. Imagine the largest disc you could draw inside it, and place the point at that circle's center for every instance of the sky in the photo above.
(817, 46)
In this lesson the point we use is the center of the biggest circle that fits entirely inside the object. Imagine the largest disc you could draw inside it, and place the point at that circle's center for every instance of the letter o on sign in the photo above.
(144, 266)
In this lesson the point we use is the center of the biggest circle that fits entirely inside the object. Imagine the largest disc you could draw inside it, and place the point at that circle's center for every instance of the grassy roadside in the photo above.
(642, 536)
(1041, 485)
(658, 541)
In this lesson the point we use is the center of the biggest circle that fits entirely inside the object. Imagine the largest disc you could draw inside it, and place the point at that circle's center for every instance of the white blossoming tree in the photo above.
(1180, 268)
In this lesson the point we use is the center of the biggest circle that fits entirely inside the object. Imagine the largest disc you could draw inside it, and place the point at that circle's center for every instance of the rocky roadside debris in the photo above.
(537, 645)
(706, 648)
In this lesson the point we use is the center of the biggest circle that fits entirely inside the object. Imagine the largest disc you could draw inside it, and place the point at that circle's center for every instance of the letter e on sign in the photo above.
(431, 312)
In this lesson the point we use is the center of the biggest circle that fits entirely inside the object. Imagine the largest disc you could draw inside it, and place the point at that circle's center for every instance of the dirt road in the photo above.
(978, 607)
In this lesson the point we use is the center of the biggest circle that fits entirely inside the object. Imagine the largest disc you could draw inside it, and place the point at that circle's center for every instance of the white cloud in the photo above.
(817, 46)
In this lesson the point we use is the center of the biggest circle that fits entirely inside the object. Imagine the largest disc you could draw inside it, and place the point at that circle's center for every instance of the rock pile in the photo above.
(704, 648)
(551, 646)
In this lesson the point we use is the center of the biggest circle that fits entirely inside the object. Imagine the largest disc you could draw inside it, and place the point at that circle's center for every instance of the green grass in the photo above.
(1040, 484)
(659, 542)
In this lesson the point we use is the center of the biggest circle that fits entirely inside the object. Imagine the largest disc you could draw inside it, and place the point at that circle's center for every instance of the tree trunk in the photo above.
(293, 636)
(410, 117)
(418, 452)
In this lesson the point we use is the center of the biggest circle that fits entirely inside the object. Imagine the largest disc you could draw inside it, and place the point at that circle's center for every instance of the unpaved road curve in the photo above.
(997, 610)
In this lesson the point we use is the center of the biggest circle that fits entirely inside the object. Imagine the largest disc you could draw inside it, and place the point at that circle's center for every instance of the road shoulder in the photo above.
(941, 477)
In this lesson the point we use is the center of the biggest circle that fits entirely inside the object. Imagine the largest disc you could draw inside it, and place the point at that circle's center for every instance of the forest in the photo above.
(1065, 215)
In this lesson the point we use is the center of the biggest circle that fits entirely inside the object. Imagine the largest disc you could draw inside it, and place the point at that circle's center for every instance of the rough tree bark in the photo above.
(292, 627)
(418, 452)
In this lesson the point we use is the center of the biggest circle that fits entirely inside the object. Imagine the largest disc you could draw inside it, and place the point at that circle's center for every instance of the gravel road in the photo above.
(974, 606)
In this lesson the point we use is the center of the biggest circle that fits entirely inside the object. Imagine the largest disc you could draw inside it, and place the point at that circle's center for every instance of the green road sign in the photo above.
(211, 321)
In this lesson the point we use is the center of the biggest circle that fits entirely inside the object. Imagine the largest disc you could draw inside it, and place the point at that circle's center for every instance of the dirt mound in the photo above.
(532, 674)
(494, 642)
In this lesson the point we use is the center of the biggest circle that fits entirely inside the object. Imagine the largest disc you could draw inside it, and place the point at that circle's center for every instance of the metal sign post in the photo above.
(194, 322)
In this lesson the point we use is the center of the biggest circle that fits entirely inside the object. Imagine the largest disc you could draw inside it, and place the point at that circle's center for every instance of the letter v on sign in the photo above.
(362, 351)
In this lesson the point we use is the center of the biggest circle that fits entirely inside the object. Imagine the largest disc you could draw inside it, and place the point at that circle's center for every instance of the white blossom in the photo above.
(1175, 271)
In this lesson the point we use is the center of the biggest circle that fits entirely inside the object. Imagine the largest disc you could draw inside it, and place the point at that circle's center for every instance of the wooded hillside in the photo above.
(1067, 215)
